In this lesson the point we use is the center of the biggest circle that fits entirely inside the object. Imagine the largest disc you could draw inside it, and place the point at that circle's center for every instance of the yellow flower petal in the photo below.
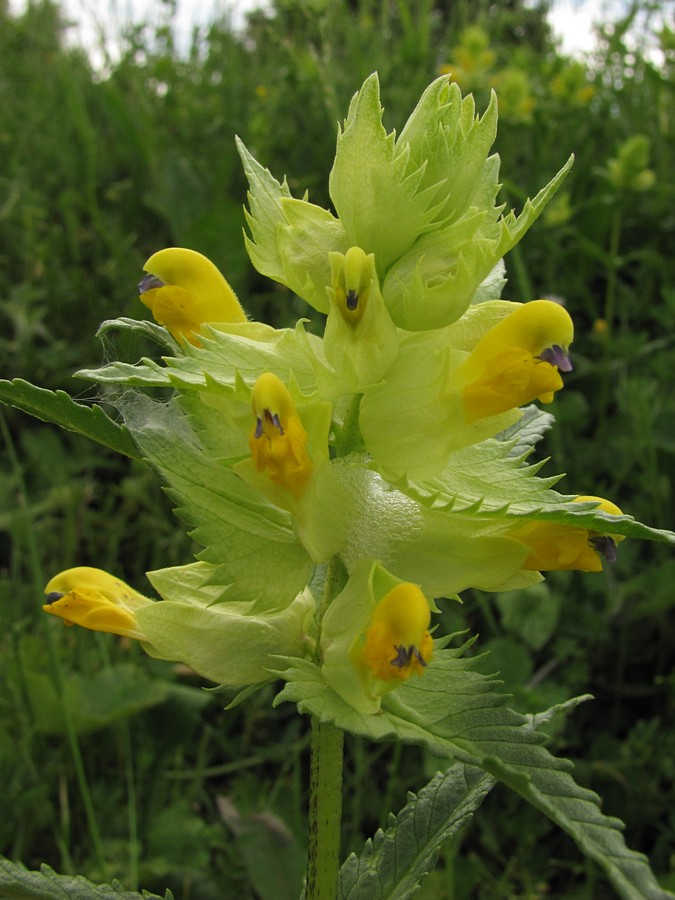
(517, 361)
(278, 439)
(556, 546)
(184, 290)
(397, 641)
(96, 600)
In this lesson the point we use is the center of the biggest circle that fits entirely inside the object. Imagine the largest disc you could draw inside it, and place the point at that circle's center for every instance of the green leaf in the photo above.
(266, 216)
(456, 712)
(243, 535)
(375, 193)
(17, 882)
(304, 244)
(492, 483)
(233, 352)
(513, 227)
(451, 142)
(393, 864)
(59, 408)
(527, 431)
(156, 333)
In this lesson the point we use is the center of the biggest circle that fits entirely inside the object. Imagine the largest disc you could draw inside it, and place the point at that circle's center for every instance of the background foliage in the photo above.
(115, 765)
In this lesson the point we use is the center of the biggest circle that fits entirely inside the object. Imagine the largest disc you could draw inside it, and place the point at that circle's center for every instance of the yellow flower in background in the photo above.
(184, 291)
(572, 87)
(278, 439)
(397, 641)
(518, 360)
(516, 102)
(96, 600)
(471, 60)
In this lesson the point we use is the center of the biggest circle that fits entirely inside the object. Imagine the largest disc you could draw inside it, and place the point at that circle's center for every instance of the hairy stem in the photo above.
(325, 779)
(325, 811)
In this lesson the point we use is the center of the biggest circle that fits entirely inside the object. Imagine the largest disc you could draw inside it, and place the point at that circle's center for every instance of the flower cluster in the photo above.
(340, 485)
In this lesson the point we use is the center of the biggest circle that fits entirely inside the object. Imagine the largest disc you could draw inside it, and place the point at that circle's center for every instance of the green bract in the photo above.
(423, 204)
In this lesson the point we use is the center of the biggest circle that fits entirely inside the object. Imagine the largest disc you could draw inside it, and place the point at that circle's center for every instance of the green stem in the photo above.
(325, 811)
(325, 779)
(349, 437)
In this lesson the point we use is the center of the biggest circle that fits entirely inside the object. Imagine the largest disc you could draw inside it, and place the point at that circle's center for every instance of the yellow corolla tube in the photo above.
(517, 361)
(278, 439)
(184, 291)
(556, 546)
(96, 600)
(397, 641)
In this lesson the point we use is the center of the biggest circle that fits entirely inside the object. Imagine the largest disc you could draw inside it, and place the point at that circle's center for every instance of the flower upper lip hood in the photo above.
(185, 290)
(96, 600)
(518, 360)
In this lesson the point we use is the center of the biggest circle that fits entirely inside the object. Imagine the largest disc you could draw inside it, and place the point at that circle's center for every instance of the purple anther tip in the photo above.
(605, 547)
(557, 357)
(149, 283)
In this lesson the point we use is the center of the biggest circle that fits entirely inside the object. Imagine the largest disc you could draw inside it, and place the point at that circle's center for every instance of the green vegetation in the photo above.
(118, 766)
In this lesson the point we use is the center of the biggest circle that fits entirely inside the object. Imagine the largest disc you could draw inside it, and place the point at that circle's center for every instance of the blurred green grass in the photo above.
(114, 765)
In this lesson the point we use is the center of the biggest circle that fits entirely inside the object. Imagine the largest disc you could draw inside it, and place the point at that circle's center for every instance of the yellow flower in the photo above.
(518, 360)
(397, 641)
(184, 290)
(352, 279)
(96, 600)
(557, 546)
(278, 439)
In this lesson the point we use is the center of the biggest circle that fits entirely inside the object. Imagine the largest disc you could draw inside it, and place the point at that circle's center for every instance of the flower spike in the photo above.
(278, 439)
(518, 360)
(184, 290)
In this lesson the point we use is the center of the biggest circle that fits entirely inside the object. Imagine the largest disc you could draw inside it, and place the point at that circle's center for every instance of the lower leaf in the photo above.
(395, 861)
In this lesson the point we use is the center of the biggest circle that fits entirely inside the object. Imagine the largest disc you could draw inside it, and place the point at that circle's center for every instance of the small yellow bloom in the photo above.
(397, 641)
(556, 546)
(278, 439)
(184, 290)
(96, 600)
(352, 279)
(518, 360)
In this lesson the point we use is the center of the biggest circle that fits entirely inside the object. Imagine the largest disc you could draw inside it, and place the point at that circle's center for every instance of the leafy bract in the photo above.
(377, 194)
(492, 483)
(230, 353)
(59, 408)
(251, 541)
(290, 239)
(451, 142)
